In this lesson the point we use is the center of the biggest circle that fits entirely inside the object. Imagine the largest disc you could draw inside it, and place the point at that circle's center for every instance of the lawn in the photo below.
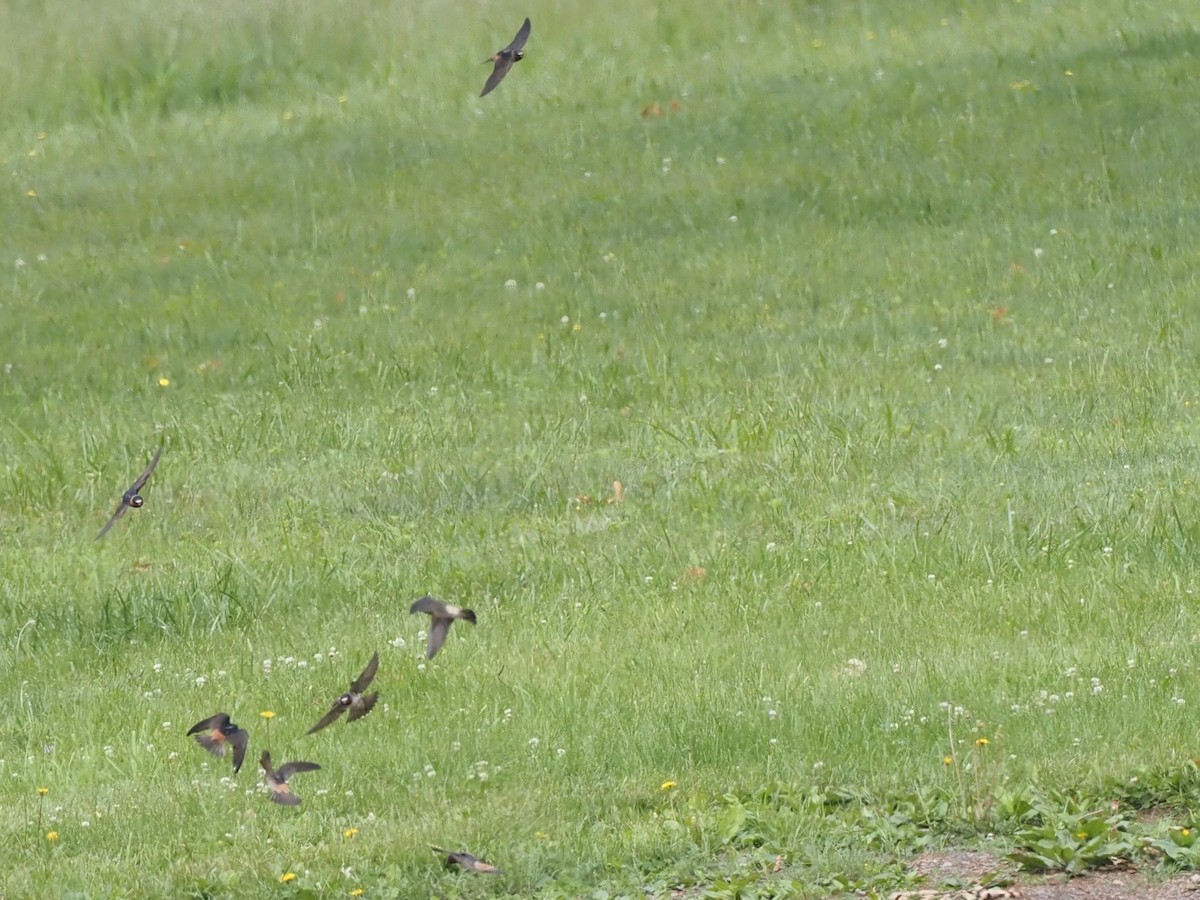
(804, 397)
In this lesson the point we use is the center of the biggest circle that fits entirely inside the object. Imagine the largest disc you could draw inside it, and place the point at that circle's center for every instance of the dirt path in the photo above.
(970, 866)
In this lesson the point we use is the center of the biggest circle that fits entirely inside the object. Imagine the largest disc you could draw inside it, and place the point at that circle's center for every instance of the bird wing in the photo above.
(361, 683)
(145, 476)
(287, 770)
(497, 76)
(281, 793)
(240, 739)
(210, 723)
(112, 520)
(214, 742)
(428, 605)
(364, 706)
(437, 636)
(522, 36)
(329, 718)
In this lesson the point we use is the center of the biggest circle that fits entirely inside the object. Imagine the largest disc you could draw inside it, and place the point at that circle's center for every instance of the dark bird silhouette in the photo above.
(277, 780)
(216, 734)
(503, 60)
(131, 499)
(467, 862)
(354, 700)
(443, 615)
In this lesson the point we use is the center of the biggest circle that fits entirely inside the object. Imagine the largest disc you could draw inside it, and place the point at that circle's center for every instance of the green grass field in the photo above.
(883, 314)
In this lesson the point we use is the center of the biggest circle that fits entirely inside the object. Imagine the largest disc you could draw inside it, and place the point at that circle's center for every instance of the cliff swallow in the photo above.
(216, 733)
(503, 60)
(277, 780)
(131, 498)
(467, 862)
(443, 615)
(354, 699)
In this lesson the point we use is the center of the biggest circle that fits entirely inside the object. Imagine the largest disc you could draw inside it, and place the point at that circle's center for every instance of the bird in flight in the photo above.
(467, 862)
(131, 499)
(354, 700)
(502, 60)
(277, 779)
(443, 615)
(217, 733)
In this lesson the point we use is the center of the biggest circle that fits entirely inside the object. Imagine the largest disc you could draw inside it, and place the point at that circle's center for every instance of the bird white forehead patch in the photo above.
(453, 610)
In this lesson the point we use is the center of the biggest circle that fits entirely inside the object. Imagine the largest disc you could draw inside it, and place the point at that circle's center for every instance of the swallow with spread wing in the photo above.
(503, 60)
(131, 499)
(217, 733)
(354, 700)
(467, 862)
(277, 779)
(443, 616)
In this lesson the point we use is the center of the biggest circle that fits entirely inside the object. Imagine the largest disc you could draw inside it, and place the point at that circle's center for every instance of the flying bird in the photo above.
(131, 498)
(503, 60)
(277, 780)
(217, 733)
(467, 862)
(443, 615)
(354, 700)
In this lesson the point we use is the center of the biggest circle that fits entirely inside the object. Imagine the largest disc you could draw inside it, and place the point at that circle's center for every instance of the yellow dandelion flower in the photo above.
(43, 791)
(668, 785)
(267, 714)
(947, 760)
(1185, 831)
(52, 836)
(350, 832)
(287, 876)
(577, 328)
(981, 742)
(288, 116)
(1082, 835)
(540, 835)
(345, 99)
(1069, 73)
(357, 892)
(31, 193)
(164, 382)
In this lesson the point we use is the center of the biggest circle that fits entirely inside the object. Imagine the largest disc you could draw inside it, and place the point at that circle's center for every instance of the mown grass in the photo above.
(884, 330)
